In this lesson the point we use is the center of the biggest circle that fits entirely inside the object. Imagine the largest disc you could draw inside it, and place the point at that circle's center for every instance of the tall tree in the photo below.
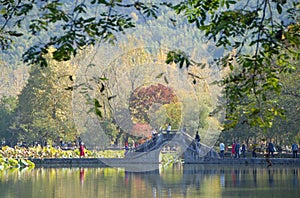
(44, 112)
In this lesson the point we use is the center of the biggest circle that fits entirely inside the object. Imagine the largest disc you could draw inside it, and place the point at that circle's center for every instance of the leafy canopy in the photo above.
(80, 24)
(261, 39)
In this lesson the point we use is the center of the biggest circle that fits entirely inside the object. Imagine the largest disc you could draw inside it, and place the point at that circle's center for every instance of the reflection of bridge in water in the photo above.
(175, 178)
(192, 152)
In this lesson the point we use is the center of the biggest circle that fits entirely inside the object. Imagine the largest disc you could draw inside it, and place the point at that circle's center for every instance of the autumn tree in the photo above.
(143, 98)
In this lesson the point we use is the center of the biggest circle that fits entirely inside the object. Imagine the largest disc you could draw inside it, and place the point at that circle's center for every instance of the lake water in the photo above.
(209, 181)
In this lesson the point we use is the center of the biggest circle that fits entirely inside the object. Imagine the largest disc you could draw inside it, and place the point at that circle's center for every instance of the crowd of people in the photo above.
(269, 150)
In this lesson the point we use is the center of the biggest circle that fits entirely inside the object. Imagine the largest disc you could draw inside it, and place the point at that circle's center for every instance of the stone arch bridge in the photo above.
(192, 152)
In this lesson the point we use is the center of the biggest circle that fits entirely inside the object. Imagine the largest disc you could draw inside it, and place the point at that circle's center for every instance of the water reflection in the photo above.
(271, 179)
(176, 181)
(81, 176)
(222, 178)
(254, 175)
(296, 178)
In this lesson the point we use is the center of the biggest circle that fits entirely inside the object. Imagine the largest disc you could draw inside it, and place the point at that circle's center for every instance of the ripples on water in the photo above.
(176, 181)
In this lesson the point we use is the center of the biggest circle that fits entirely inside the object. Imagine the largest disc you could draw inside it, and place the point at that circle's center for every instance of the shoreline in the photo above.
(123, 162)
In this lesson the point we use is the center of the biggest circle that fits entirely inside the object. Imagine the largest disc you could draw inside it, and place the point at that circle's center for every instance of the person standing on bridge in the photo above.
(154, 134)
(197, 137)
(169, 128)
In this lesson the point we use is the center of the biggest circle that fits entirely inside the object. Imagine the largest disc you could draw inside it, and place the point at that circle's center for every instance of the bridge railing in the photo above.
(146, 146)
(163, 135)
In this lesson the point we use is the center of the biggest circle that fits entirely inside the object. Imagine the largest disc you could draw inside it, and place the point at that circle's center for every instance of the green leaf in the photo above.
(166, 80)
(111, 97)
(14, 33)
(96, 103)
(160, 75)
(98, 112)
(279, 8)
(255, 111)
(102, 87)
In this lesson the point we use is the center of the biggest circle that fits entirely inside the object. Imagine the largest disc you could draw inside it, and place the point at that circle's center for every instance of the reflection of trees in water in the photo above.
(183, 181)
(196, 177)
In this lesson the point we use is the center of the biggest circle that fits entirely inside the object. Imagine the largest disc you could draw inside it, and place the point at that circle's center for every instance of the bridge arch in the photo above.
(149, 152)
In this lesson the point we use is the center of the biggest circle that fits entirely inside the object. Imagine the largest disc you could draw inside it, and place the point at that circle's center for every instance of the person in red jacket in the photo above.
(233, 150)
(81, 150)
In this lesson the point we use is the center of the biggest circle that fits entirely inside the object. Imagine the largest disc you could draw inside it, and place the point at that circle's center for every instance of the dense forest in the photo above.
(144, 65)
